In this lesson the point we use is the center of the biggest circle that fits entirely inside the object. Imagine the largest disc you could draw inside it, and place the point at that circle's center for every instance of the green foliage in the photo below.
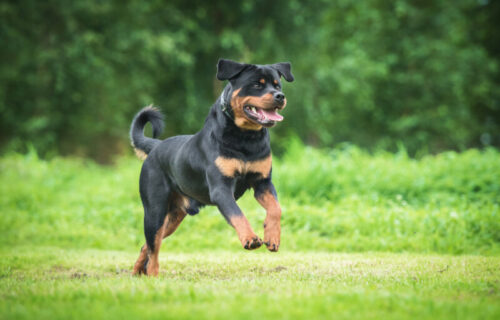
(394, 71)
(380, 200)
(342, 200)
(334, 174)
(373, 73)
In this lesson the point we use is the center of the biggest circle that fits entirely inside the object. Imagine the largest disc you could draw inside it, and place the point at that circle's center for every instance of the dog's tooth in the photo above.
(254, 110)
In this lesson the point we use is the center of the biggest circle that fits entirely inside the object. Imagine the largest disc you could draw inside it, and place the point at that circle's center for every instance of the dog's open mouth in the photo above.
(264, 117)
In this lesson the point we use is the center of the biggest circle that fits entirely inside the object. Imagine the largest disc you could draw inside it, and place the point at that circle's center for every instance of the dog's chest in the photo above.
(232, 167)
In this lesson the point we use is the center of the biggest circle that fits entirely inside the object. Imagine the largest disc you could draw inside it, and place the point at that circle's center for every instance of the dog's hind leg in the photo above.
(164, 210)
(176, 213)
(155, 221)
(174, 217)
(172, 220)
(155, 192)
(141, 263)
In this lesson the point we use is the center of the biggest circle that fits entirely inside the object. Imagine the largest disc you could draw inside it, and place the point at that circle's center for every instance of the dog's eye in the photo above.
(277, 86)
(257, 85)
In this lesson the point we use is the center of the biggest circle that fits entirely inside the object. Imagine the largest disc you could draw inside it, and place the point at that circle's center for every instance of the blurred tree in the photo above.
(374, 73)
(383, 72)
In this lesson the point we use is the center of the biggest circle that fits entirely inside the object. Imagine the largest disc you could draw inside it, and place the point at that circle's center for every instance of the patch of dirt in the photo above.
(263, 270)
(119, 271)
(445, 269)
(58, 268)
(79, 275)
(278, 269)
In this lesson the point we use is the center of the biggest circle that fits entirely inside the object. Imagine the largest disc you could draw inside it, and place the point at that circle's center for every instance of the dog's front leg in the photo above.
(265, 193)
(222, 195)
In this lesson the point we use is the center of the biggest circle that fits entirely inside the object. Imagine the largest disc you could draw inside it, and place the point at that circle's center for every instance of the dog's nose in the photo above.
(279, 97)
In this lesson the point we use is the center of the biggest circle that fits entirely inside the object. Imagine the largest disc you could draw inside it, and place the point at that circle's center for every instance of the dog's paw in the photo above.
(251, 243)
(272, 246)
(272, 240)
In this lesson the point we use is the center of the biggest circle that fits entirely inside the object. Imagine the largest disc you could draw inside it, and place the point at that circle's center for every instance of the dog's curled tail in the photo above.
(142, 144)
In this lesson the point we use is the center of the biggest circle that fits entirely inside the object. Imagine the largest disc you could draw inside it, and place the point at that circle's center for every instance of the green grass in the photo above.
(363, 236)
(344, 200)
(52, 283)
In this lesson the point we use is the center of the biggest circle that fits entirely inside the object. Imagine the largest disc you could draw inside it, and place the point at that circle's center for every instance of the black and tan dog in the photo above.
(218, 164)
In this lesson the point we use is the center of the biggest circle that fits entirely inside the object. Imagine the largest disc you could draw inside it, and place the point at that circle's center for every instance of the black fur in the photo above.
(137, 137)
(227, 69)
(284, 69)
(185, 165)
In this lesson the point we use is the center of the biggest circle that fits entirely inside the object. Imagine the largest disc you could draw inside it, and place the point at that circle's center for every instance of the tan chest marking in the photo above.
(230, 167)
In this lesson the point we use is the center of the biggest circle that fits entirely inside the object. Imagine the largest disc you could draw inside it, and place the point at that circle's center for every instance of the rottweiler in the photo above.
(215, 166)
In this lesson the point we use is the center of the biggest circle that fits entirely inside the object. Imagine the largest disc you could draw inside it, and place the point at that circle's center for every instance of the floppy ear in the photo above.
(227, 69)
(284, 69)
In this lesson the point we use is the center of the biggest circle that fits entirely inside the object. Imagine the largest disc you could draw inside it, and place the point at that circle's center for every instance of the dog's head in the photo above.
(256, 95)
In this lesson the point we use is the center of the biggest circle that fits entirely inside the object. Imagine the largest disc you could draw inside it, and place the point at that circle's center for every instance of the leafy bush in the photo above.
(374, 73)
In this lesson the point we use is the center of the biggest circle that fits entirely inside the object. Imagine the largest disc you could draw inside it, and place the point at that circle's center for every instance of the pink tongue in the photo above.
(271, 115)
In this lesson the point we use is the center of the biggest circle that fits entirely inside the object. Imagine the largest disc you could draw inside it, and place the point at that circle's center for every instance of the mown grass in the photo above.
(363, 236)
(52, 283)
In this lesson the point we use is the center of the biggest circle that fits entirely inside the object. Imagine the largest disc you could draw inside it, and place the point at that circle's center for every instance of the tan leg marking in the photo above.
(249, 240)
(153, 267)
(139, 264)
(272, 224)
(172, 220)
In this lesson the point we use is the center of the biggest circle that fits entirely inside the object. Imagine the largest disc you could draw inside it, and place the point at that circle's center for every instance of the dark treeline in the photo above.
(373, 73)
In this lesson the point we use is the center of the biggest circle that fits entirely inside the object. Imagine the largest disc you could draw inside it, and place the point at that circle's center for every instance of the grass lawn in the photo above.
(363, 236)
(53, 283)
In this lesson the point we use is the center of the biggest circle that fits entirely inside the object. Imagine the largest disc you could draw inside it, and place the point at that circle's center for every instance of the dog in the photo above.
(215, 166)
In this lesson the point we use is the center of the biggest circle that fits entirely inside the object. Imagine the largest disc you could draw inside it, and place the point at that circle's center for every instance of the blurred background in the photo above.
(389, 145)
(376, 74)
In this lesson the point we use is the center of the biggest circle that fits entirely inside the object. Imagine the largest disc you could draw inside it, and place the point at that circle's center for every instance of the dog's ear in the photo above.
(284, 69)
(227, 69)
